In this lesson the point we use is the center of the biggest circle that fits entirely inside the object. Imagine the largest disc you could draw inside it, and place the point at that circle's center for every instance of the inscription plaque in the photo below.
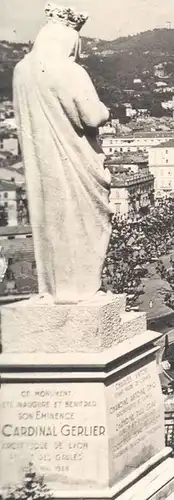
(60, 428)
(135, 420)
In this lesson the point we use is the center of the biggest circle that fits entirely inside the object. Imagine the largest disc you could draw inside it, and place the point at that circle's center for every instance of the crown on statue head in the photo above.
(67, 15)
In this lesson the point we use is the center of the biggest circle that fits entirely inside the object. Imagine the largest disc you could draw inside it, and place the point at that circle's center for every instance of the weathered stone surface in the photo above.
(62, 429)
(83, 400)
(158, 484)
(91, 326)
(135, 420)
(82, 435)
(65, 361)
(67, 184)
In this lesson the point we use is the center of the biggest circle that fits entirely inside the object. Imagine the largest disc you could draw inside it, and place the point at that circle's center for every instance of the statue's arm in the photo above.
(92, 112)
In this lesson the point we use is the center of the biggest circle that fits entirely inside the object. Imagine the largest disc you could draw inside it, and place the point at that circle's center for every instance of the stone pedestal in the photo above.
(81, 399)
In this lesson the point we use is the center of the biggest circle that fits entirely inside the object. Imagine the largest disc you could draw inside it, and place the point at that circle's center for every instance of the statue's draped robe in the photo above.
(56, 106)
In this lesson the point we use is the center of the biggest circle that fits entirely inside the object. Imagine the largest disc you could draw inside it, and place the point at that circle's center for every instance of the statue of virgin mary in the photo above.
(58, 112)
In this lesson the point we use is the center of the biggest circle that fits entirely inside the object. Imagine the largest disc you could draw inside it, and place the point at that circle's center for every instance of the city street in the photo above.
(22, 252)
(155, 288)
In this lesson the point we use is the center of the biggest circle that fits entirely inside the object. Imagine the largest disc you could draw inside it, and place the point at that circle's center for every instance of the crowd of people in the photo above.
(137, 241)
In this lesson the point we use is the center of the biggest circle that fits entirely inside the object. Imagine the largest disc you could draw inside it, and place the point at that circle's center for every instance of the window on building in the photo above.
(170, 184)
(166, 151)
(169, 172)
(167, 161)
(5, 195)
(121, 150)
(117, 208)
(110, 150)
(6, 204)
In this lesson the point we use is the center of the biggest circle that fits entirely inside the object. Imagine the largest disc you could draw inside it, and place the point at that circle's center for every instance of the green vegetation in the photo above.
(133, 57)
(113, 66)
(135, 243)
(32, 488)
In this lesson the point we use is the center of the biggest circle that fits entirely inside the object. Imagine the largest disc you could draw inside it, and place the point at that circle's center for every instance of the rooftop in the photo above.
(126, 159)
(126, 180)
(143, 134)
(165, 144)
(7, 134)
(155, 133)
(15, 230)
(116, 168)
(9, 172)
(7, 186)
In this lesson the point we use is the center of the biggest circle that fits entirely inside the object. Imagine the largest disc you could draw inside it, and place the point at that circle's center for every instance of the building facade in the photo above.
(109, 128)
(9, 144)
(12, 174)
(112, 144)
(161, 165)
(8, 204)
(132, 193)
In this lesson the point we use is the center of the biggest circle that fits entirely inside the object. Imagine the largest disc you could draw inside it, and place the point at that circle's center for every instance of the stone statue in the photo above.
(58, 112)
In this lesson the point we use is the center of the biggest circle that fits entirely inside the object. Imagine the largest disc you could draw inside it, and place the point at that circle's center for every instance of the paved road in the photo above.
(155, 288)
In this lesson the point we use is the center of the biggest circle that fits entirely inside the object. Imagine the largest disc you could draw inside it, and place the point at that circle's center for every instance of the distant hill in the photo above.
(157, 39)
(124, 70)
(115, 65)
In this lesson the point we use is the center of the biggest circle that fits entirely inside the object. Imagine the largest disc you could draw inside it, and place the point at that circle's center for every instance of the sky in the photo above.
(20, 20)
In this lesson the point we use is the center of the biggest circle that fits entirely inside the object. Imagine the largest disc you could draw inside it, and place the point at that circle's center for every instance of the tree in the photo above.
(136, 241)
(32, 488)
(123, 268)
(167, 274)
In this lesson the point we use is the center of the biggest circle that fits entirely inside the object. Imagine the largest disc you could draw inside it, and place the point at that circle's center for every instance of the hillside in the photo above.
(147, 57)
(137, 69)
